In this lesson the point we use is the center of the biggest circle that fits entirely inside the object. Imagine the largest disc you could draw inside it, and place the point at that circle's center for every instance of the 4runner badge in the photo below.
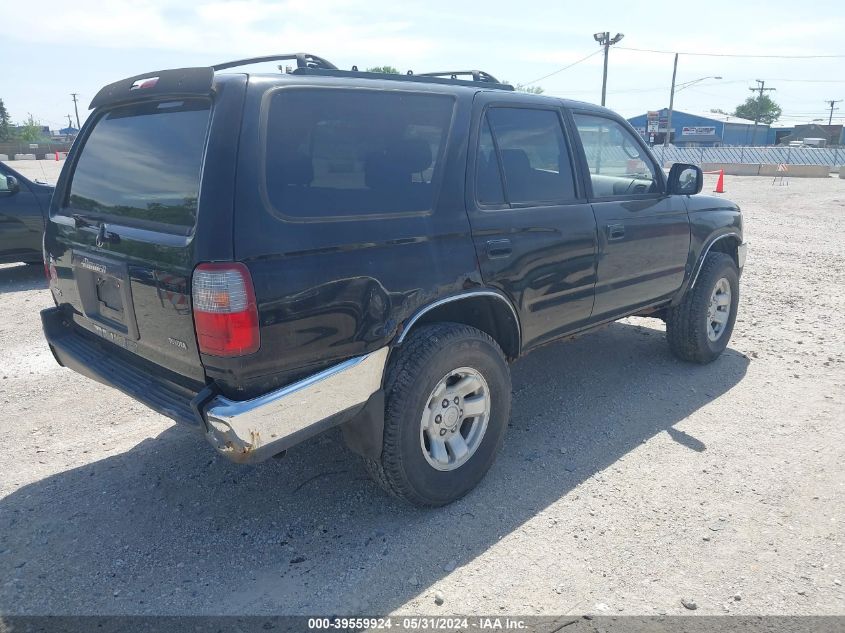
(180, 344)
(97, 268)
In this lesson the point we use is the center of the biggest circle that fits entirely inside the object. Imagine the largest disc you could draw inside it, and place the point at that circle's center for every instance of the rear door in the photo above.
(534, 231)
(123, 228)
(643, 233)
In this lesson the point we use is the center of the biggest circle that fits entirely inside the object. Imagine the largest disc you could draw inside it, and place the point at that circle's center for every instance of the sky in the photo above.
(52, 48)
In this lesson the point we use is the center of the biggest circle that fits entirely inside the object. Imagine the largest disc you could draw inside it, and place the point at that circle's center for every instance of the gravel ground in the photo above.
(628, 482)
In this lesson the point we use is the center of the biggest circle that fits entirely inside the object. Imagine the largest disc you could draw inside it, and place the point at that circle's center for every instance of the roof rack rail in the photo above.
(303, 60)
(477, 75)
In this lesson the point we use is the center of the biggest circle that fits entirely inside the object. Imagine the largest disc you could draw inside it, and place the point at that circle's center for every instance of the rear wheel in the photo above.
(700, 327)
(448, 396)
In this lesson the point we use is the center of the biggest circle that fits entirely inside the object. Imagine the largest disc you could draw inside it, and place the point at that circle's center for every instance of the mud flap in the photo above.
(364, 434)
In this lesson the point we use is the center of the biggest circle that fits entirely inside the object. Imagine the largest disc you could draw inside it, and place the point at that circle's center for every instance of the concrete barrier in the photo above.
(24, 157)
(4, 157)
(733, 169)
(842, 172)
(797, 171)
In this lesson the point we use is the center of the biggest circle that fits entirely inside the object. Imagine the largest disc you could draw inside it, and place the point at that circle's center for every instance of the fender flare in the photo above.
(704, 253)
(416, 316)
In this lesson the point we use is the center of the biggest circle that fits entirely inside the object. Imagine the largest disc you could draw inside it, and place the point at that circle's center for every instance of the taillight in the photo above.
(225, 313)
(50, 270)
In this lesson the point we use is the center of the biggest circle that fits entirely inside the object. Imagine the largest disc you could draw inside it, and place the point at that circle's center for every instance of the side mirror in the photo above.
(685, 180)
(12, 185)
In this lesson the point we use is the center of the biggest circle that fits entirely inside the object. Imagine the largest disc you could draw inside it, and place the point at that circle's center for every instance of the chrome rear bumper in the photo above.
(251, 431)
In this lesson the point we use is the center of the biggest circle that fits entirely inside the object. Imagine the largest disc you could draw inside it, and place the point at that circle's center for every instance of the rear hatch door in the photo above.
(122, 237)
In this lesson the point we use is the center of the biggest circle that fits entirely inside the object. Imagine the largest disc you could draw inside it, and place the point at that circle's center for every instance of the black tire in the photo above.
(687, 323)
(428, 354)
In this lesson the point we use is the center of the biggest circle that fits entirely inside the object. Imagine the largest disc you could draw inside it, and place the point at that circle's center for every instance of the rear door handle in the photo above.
(499, 249)
(615, 231)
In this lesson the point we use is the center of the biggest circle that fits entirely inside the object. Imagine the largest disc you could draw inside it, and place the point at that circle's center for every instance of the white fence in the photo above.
(830, 156)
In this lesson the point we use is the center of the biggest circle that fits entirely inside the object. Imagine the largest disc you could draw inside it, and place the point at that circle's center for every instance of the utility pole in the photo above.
(75, 109)
(671, 105)
(606, 41)
(761, 88)
(832, 102)
(69, 121)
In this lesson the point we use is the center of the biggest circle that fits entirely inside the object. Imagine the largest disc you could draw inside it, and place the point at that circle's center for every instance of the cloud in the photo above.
(237, 28)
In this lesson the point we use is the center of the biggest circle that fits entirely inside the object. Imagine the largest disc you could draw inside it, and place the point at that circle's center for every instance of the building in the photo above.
(710, 129)
(832, 134)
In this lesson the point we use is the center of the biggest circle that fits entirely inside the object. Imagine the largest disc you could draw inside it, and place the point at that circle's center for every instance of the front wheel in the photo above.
(448, 398)
(700, 327)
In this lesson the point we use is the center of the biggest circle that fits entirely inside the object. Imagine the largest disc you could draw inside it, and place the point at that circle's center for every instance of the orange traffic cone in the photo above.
(57, 156)
(720, 184)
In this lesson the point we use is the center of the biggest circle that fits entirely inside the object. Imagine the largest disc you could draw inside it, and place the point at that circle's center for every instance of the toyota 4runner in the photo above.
(265, 257)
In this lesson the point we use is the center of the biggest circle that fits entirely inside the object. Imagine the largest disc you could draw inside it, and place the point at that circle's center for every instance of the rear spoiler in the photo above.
(177, 82)
(188, 82)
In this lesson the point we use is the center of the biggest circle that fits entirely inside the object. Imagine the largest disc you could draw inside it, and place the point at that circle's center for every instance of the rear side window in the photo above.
(346, 153)
(533, 155)
(141, 164)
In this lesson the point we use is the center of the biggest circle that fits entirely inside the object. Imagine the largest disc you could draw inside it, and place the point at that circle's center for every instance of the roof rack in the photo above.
(449, 79)
(303, 60)
(477, 75)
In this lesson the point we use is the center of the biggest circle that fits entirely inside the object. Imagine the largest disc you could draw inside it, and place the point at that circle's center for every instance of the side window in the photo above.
(618, 165)
(346, 153)
(488, 177)
(533, 155)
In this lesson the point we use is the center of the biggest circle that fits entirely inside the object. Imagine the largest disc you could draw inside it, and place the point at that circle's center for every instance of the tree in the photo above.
(5, 123)
(532, 90)
(761, 108)
(386, 70)
(30, 130)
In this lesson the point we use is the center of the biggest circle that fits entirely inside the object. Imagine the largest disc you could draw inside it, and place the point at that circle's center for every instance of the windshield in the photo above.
(142, 163)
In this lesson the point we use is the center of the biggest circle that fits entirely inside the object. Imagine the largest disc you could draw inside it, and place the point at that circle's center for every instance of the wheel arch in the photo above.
(727, 243)
(486, 310)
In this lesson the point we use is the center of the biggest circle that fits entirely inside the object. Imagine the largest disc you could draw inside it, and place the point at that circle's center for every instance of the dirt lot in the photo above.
(628, 479)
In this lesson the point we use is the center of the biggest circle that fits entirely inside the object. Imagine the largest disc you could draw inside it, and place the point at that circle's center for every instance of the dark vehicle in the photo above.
(269, 256)
(23, 207)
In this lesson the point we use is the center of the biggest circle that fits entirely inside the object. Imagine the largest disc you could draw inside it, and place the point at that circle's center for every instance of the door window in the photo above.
(619, 167)
(531, 151)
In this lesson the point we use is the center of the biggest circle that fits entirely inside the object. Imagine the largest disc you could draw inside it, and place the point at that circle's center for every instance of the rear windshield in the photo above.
(142, 163)
(346, 153)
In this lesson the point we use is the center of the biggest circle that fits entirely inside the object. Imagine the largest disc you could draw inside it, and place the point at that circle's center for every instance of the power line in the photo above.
(560, 70)
(650, 50)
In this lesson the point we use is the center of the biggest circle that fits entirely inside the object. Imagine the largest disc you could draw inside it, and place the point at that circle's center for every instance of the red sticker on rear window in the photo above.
(141, 84)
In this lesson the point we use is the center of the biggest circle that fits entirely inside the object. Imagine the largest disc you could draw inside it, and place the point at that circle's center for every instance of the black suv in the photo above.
(269, 256)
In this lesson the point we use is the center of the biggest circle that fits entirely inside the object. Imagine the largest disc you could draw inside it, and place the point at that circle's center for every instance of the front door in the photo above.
(21, 222)
(533, 228)
(643, 233)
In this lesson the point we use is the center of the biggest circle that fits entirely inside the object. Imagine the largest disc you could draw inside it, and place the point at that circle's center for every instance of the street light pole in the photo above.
(75, 108)
(606, 41)
(675, 89)
(671, 104)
